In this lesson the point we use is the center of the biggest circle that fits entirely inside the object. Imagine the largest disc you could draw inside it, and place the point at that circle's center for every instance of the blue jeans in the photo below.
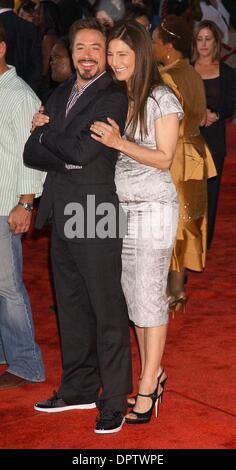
(18, 348)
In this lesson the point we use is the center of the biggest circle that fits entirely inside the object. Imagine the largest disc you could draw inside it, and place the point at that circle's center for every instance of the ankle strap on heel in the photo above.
(150, 395)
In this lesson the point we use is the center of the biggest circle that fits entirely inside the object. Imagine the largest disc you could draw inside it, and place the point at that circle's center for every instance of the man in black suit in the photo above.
(23, 44)
(86, 266)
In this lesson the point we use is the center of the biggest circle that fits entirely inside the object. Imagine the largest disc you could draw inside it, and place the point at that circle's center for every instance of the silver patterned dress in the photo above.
(149, 199)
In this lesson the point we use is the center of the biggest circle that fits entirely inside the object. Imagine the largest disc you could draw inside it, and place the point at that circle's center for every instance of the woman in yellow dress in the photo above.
(192, 164)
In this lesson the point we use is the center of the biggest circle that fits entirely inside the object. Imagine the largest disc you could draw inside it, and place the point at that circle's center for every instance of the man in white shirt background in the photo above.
(18, 187)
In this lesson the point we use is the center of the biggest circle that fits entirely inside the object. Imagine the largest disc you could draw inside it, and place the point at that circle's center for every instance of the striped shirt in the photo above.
(77, 92)
(18, 105)
(74, 96)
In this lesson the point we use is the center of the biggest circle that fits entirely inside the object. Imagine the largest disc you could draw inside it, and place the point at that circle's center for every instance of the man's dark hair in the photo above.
(6, 3)
(86, 23)
(2, 33)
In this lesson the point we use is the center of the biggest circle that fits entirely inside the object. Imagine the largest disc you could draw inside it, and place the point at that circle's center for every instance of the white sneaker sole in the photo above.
(88, 406)
(109, 431)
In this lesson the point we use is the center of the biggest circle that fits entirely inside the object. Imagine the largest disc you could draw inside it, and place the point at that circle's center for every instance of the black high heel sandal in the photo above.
(160, 382)
(156, 397)
(142, 418)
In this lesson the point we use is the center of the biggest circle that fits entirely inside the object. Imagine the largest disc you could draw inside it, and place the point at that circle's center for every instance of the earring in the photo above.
(168, 57)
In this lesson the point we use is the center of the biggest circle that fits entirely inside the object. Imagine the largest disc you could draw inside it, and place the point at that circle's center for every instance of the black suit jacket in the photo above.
(215, 134)
(227, 91)
(68, 140)
(23, 47)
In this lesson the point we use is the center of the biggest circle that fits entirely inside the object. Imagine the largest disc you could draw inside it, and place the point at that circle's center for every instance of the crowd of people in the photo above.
(114, 113)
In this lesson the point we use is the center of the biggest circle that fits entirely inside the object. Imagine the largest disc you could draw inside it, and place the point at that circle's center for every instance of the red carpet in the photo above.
(199, 408)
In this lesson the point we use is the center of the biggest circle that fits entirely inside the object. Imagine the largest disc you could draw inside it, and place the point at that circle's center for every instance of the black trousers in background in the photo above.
(215, 138)
(93, 322)
(213, 191)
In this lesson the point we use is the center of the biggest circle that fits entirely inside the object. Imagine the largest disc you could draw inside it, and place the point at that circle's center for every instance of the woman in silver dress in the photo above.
(148, 197)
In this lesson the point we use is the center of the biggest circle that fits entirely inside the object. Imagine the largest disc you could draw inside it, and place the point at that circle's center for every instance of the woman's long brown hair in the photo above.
(146, 75)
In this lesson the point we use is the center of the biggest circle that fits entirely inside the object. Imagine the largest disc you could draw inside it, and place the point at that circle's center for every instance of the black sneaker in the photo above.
(55, 404)
(109, 421)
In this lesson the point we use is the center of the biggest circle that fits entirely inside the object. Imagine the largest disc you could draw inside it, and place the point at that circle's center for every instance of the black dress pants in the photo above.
(93, 322)
(213, 191)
